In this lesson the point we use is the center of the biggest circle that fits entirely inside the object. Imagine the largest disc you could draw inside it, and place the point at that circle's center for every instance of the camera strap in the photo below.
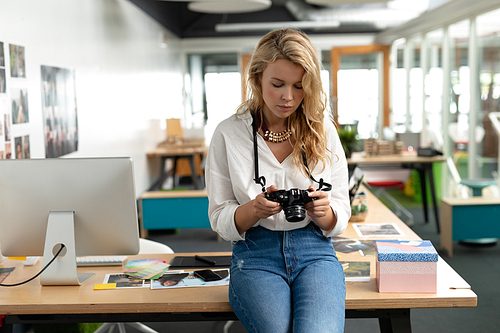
(261, 180)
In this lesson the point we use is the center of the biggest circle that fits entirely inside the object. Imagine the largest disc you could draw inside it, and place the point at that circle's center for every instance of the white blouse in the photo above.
(230, 173)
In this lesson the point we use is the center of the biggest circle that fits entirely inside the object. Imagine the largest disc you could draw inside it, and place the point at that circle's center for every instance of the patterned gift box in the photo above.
(406, 266)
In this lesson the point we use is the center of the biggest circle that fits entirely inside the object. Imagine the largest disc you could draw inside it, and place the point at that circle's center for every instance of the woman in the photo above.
(285, 275)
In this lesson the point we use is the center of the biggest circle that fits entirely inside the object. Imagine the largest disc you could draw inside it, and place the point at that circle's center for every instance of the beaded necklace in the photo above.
(270, 135)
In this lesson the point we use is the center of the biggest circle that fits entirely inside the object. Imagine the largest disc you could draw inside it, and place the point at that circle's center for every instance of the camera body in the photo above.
(292, 201)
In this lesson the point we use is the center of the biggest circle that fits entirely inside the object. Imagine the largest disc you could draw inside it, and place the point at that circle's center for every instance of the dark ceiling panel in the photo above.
(176, 17)
(172, 15)
(205, 26)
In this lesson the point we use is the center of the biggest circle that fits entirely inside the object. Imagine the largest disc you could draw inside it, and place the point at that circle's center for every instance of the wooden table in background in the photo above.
(469, 219)
(423, 165)
(176, 153)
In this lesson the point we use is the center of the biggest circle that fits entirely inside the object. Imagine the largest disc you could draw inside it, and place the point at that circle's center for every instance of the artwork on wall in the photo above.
(20, 112)
(7, 127)
(18, 143)
(8, 151)
(22, 145)
(14, 112)
(5, 135)
(3, 82)
(17, 61)
(2, 55)
(2, 70)
(4, 112)
(59, 111)
(26, 146)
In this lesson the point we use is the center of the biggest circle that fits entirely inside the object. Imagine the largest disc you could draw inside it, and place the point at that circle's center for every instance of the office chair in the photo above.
(146, 247)
(381, 177)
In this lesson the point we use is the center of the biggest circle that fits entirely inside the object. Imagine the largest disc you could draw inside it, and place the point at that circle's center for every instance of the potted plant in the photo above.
(348, 138)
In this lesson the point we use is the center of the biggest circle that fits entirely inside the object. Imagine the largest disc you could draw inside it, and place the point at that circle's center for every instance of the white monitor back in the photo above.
(101, 192)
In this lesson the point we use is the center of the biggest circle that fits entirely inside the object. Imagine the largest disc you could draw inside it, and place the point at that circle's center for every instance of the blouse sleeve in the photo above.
(222, 201)
(339, 195)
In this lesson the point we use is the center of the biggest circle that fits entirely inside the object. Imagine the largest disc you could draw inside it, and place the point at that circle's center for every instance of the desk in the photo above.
(423, 165)
(466, 219)
(32, 303)
(176, 152)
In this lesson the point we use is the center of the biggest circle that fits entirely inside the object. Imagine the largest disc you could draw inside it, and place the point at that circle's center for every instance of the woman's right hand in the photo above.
(251, 212)
(264, 208)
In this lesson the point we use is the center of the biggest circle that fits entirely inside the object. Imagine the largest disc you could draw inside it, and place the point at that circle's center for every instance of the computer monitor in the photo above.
(87, 204)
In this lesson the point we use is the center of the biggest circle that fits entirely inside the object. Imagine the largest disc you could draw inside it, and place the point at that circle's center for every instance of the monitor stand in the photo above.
(62, 271)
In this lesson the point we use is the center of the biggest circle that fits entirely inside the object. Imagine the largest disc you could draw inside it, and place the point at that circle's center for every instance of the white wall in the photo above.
(124, 78)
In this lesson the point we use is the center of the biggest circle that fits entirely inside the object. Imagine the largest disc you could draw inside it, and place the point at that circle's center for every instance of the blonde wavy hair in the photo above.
(307, 121)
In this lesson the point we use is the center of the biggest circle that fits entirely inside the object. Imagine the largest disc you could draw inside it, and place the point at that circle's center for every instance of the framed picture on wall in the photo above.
(8, 151)
(6, 122)
(2, 55)
(18, 142)
(59, 111)
(5, 128)
(2, 81)
(20, 112)
(17, 61)
(22, 144)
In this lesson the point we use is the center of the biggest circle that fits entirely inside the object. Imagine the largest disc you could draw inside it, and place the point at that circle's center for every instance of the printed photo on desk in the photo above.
(124, 281)
(4, 272)
(365, 247)
(185, 279)
(356, 271)
(377, 229)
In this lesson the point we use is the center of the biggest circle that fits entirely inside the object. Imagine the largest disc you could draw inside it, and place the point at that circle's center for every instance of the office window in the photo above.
(460, 77)
(433, 88)
(415, 114)
(407, 85)
(223, 94)
(358, 93)
(488, 30)
(398, 89)
(326, 79)
(213, 88)
(458, 127)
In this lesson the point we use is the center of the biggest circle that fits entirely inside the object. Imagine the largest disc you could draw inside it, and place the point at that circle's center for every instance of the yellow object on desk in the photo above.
(104, 286)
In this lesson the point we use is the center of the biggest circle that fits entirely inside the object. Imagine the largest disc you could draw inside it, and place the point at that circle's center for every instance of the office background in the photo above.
(129, 72)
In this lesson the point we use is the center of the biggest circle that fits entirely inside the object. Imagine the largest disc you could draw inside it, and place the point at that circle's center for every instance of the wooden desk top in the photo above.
(162, 151)
(361, 158)
(482, 200)
(32, 298)
(174, 194)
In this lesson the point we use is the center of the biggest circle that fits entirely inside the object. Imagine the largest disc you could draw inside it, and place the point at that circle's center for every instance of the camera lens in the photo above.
(295, 213)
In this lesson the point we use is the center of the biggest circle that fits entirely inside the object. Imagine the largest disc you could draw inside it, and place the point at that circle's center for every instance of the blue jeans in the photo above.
(287, 281)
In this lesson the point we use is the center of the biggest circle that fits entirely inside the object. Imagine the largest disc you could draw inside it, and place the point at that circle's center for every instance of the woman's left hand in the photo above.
(320, 207)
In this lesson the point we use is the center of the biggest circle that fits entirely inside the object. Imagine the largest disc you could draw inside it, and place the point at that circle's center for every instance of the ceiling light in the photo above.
(229, 6)
(268, 26)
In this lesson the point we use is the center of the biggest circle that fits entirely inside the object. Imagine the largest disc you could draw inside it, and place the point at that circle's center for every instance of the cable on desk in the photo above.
(37, 275)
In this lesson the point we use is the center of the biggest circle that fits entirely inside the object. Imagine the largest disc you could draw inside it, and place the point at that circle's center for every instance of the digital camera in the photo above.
(292, 201)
